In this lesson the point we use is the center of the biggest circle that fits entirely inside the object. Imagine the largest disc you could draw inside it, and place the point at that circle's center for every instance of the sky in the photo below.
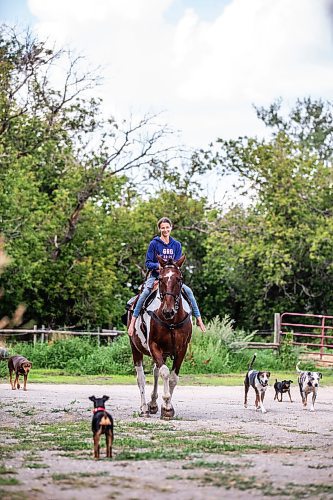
(202, 63)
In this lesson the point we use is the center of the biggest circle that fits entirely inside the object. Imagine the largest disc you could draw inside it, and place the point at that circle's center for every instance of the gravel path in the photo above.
(304, 469)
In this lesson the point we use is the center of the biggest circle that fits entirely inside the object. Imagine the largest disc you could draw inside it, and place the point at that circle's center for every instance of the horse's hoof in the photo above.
(153, 409)
(144, 414)
(167, 414)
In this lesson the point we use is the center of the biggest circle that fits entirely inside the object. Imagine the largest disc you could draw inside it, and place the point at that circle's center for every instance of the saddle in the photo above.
(130, 306)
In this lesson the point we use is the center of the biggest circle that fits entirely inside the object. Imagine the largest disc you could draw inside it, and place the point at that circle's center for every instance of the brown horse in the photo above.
(163, 330)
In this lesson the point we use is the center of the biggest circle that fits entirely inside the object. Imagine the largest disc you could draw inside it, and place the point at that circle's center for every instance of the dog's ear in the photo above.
(105, 398)
(320, 375)
(93, 399)
(268, 374)
(291, 382)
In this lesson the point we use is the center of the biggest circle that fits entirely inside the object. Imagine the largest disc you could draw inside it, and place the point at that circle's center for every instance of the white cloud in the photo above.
(205, 74)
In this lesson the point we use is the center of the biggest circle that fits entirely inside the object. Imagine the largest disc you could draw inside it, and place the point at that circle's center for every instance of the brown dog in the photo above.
(20, 366)
(102, 423)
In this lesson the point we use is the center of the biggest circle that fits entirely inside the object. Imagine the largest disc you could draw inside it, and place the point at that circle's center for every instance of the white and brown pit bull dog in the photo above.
(308, 382)
(259, 382)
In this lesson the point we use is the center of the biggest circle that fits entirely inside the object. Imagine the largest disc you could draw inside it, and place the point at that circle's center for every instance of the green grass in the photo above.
(232, 480)
(205, 455)
(6, 451)
(141, 441)
(8, 481)
(214, 465)
(231, 379)
(5, 470)
(14, 495)
(51, 376)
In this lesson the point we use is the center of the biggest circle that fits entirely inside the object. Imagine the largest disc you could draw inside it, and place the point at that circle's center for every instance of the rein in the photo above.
(169, 326)
(177, 297)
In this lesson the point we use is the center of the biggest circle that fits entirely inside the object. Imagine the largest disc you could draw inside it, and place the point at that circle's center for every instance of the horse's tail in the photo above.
(253, 360)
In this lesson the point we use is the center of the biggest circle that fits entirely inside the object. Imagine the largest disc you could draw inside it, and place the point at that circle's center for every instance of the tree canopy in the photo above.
(76, 222)
(277, 253)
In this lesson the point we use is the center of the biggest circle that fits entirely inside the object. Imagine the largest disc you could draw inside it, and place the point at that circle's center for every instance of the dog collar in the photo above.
(100, 408)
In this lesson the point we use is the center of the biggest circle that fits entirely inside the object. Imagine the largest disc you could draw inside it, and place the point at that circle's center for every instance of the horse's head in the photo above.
(170, 285)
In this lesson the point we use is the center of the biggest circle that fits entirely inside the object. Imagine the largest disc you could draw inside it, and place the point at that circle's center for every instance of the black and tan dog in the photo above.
(259, 382)
(102, 423)
(20, 366)
(281, 388)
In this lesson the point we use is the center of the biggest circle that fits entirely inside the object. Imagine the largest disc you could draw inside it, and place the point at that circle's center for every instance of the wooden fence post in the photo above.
(98, 337)
(35, 335)
(277, 328)
(42, 336)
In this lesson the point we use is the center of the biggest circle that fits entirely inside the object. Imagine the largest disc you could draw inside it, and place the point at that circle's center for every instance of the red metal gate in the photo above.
(313, 331)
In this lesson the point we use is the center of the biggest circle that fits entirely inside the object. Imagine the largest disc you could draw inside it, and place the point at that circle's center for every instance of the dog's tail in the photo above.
(297, 369)
(253, 360)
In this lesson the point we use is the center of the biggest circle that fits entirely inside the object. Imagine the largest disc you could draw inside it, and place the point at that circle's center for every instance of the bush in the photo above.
(108, 360)
(79, 355)
(219, 350)
(3, 368)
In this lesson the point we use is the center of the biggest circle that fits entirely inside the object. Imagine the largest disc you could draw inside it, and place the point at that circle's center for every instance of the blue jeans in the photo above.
(148, 286)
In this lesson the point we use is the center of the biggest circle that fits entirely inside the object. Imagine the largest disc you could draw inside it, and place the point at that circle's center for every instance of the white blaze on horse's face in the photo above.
(169, 275)
(168, 295)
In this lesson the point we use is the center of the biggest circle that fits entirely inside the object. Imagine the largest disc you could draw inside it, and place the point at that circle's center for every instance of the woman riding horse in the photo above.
(163, 330)
(168, 248)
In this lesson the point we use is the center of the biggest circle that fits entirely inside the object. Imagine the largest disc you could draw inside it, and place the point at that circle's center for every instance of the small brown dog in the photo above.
(102, 423)
(20, 366)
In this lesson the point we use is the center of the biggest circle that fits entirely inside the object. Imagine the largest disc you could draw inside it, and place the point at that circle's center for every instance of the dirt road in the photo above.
(225, 451)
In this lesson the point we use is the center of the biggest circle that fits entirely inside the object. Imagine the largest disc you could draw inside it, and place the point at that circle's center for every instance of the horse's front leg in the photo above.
(173, 376)
(141, 380)
(152, 405)
(173, 380)
(167, 410)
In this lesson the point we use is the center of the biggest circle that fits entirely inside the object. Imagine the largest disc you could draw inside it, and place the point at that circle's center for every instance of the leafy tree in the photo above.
(277, 254)
(63, 168)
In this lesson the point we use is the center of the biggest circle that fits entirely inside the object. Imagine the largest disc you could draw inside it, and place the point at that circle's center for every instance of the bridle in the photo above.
(174, 295)
(168, 325)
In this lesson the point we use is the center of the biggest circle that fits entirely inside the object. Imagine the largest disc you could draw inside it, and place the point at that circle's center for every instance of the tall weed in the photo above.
(218, 350)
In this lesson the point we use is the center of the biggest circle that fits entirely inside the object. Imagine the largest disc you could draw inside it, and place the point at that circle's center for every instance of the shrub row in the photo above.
(216, 351)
